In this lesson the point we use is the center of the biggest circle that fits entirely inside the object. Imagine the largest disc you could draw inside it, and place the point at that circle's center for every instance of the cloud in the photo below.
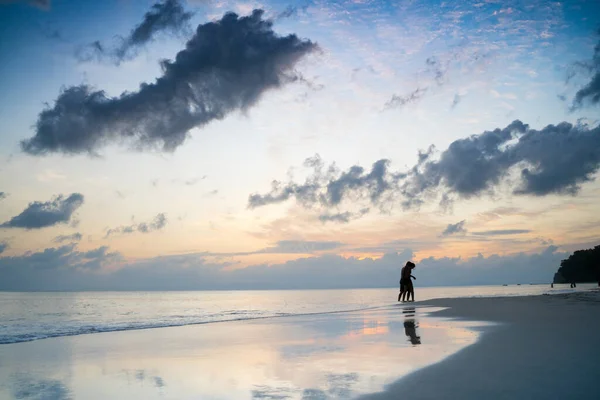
(338, 217)
(300, 247)
(157, 223)
(167, 16)
(557, 159)
(64, 269)
(226, 66)
(400, 101)
(39, 214)
(3, 195)
(286, 247)
(75, 237)
(501, 232)
(329, 187)
(61, 267)
(455, 229)
(554, 160)
(343, 217)
(590, 93)
(3, 246)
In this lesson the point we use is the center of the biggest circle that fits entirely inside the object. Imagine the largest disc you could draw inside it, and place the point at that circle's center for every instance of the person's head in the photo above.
(410, 264)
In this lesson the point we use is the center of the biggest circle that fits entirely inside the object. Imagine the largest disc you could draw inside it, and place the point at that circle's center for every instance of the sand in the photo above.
(543, 347)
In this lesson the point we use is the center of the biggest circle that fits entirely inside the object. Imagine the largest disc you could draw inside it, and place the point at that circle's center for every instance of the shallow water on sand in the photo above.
(339, 355)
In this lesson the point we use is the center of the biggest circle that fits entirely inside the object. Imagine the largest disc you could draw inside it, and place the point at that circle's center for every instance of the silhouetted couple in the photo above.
(406, 286)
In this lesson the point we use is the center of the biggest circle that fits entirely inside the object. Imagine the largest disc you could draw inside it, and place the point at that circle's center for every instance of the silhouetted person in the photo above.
(406, 286)
(410, 289)
(402, 287)
(552, 285)
(410, 330)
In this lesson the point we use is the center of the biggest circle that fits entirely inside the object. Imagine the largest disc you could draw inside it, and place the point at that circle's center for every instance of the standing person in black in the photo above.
(406, 286)
(410, 289)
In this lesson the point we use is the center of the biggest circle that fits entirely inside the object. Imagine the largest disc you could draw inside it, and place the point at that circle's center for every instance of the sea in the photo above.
(39, 315)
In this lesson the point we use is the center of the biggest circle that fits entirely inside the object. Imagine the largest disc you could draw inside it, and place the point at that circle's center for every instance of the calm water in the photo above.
(31, 316)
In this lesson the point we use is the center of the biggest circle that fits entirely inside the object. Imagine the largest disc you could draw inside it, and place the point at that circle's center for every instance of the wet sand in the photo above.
(542, 347)
(340, 355)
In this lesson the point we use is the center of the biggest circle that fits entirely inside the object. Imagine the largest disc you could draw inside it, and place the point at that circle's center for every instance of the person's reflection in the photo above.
(409, 311)
(410, 326)
(410, 330)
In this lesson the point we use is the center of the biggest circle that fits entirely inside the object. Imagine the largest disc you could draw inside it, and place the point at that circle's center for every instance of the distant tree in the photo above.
(581, 266)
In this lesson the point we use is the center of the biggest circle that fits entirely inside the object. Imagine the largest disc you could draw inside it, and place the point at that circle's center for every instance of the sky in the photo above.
(181, 145)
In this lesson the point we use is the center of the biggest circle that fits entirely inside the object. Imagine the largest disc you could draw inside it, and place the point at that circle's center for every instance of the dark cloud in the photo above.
(557, 159)
(328, 187)
(501, 232)
(226, 66)
(338, 217)
(63, 269)
(167, 16)
(39, 214)
(400, 101)
(157, 223)
(343, 217)
(3, 195)
(75, 237)
(590, 93)
(3, 246)
(455, 229)
(554, 160)
(57, 268)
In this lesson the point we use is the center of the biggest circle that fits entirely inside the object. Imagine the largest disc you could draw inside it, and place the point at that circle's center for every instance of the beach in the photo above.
(544, 346)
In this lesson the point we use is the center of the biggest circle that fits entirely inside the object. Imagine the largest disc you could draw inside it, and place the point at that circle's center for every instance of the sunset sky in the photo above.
(460, 134)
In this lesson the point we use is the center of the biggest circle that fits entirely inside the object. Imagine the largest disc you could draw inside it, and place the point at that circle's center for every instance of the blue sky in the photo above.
(360, 82)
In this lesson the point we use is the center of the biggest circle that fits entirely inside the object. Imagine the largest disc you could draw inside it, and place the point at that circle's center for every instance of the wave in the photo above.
(86, 330)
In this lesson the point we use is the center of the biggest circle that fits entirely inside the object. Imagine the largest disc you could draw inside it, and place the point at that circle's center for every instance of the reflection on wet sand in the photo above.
(410, 329)
(326, 356)
(411, 325)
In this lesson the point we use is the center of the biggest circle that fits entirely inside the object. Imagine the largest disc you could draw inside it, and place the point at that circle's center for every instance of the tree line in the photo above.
(581, 266)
